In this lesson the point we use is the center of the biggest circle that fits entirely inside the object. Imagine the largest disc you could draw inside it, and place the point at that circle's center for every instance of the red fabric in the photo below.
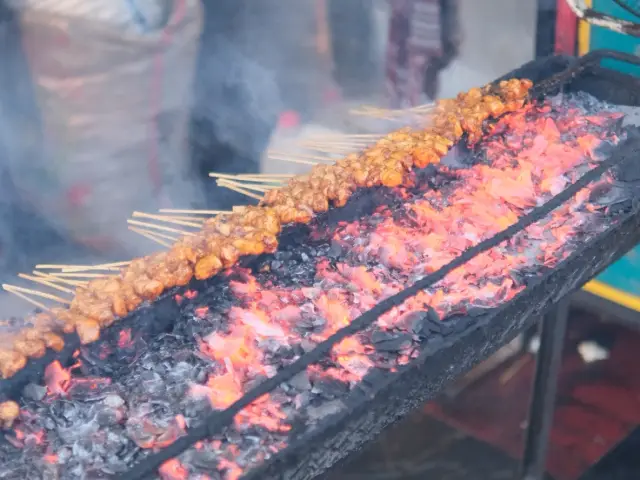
(415, 37)
(566, 29)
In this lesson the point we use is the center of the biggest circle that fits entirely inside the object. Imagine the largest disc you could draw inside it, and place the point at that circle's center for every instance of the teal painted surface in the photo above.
(624, 274)
(605, 38)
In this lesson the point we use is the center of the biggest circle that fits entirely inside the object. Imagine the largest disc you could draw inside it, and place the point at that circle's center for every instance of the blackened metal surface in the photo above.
(543, 397)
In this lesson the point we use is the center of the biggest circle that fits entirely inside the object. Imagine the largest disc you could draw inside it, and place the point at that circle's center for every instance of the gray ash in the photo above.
(111, 408)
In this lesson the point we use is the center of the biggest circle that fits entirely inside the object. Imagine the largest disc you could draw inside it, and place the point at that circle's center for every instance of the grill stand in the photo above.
(548, 362)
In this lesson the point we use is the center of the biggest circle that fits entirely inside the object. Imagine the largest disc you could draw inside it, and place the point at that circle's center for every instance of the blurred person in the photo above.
(424, 38)
(352, 46)
(257, 65)
(235, 110)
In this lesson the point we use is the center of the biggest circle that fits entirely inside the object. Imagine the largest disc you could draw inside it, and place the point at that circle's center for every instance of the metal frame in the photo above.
(548, 363)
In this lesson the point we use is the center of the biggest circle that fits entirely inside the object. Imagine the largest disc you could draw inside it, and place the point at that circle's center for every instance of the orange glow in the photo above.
(124, 338)
(531, 160)
(57, 379)
(173, 470)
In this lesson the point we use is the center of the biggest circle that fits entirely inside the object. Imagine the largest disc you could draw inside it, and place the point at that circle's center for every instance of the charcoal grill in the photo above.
(379, 402)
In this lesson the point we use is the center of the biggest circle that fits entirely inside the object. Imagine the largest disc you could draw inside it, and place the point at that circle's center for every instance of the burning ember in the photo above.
(91, 422)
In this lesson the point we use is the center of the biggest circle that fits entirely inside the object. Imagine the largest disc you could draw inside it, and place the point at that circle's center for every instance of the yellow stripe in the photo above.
(613, 295)
(584, 33)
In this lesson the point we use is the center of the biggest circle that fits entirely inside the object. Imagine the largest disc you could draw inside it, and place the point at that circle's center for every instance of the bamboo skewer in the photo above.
(246, 186)
(186, 219)
(348, 136)
(240, 190)
(162, 218)
(305, 156)
(53, 278)
(82, 268)
(196, 212)
(266, 175)
(42, 281)
(37, 293)
(158, 227)
(41, 306)
(370, 110)
(147, 234)
(85, 275)
(155, 234)
(258, 181)
(334, 150)
(346, 144)
(291, 159)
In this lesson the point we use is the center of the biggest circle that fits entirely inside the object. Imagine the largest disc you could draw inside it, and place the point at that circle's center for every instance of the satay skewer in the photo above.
(305, 156)
(334, 150)
(186, 219)
(330, 143)
(240, 190)
(162, 218)
(196, 212)
(266, 175)
(53, 278)
(85, 275)
(155, 234)
(149, 235)
(256, 181)
(47, 283)
(292, 159)
(246, 186)
(115, 266)
(36, 293)
(158, 227)
(348, 135)
(26, 298)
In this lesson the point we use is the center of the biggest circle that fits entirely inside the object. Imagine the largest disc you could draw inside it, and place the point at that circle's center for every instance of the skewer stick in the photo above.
(53, 278)
(186, 219)
(256, 177)
(267, 175)
(84, 275)
(293, 160)
(257, 181)
(246, 186)
(37, 293)
(262, 181)
(305, 156)
(230, 176)
(330, 143)
(347, 135)
(81, 268)
(240, 190)
(158, 227)
(41, 306)
(162, 218)
(196, 212)
(150, 236)
(155, 234)
(335, 150)
(42, 281)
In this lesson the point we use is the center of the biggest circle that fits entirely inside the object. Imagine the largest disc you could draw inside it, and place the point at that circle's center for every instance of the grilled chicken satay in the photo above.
(253, 230)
